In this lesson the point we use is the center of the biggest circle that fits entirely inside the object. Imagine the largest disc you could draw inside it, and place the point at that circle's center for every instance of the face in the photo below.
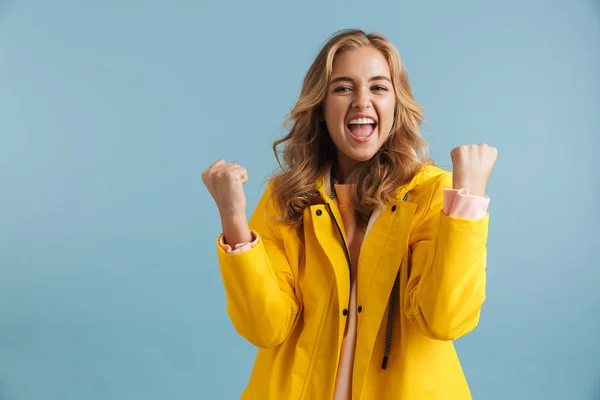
(359, 105)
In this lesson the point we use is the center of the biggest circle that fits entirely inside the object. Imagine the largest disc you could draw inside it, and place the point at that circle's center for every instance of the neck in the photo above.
(343, 167)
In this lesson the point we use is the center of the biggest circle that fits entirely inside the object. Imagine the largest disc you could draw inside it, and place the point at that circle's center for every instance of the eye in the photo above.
(341, 89)
(380, 88)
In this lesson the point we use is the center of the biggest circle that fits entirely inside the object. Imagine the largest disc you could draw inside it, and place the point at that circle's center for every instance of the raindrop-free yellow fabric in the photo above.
(289, 294)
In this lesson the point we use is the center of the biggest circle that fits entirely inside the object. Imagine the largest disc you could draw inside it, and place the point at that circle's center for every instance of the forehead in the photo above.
(362, 62)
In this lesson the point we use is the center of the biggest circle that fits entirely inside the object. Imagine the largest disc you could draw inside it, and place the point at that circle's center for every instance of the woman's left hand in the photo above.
(472, 166)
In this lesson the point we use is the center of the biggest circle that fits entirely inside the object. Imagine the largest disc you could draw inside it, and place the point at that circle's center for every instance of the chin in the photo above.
(363, 155)
(366, 157)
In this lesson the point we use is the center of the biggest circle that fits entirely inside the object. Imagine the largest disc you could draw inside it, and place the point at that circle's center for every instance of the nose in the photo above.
(362, 99)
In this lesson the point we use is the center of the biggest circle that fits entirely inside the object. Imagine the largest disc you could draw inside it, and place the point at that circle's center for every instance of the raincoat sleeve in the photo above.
(260, 282)
(446, 285)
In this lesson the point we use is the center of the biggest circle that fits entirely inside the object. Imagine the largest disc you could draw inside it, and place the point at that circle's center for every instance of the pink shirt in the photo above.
(457, 203)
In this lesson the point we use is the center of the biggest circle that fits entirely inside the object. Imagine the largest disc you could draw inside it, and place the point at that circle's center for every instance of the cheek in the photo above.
(334, 112)
(336, 106)
(386, 113)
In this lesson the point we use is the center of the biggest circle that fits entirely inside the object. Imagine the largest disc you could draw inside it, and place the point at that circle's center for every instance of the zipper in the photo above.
(346, 250)
(392, 311)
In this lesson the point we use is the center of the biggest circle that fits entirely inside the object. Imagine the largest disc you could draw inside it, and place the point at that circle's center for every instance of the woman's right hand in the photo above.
(224, 182)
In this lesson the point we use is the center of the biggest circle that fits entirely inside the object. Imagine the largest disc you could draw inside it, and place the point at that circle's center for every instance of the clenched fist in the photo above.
(224, 182)
(472, 166)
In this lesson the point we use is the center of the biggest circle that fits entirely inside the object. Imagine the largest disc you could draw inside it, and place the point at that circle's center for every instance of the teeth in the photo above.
(361, 121)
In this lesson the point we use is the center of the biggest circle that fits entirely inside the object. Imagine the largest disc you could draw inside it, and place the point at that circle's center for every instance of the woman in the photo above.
(362, 261)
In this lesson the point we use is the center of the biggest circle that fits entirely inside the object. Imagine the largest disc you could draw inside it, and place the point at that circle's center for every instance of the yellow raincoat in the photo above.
(289, 297)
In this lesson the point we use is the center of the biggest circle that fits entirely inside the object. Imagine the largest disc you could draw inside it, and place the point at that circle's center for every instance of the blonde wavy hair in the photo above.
(308, 148)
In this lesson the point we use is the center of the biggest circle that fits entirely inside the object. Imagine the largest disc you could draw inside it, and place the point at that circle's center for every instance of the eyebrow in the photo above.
(374, 78)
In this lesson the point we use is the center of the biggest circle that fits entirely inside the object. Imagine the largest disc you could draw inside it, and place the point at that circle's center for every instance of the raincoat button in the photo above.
(319, 212)
(393, 208)
(359, 308)
(345, 312)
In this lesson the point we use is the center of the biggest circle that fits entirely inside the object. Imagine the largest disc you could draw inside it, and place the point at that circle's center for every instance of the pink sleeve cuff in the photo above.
(240, 247)
(460, 204)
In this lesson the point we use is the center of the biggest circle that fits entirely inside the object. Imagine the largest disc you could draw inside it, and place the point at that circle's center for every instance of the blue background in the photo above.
(110, 111)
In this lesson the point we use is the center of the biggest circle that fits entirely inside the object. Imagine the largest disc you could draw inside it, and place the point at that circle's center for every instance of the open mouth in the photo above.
(361, 129)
